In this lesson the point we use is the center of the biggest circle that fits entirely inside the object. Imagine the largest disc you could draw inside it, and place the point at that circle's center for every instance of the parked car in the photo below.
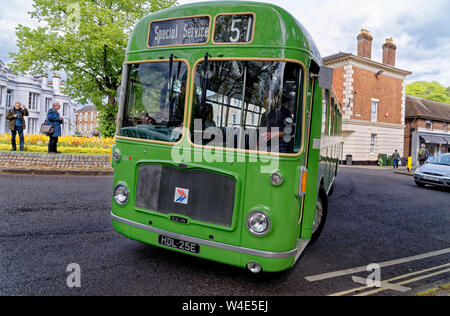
(436, 172)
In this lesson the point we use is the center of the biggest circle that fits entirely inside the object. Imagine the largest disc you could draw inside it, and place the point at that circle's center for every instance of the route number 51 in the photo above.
(237, 28)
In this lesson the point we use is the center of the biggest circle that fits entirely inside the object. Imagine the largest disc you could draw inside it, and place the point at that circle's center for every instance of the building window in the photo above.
(9, 98)
(32, 125)
(445, 127)
(373, 139)
(33, 101)
(374, 113)
(429, 125)
(65, 108)
(48, 102)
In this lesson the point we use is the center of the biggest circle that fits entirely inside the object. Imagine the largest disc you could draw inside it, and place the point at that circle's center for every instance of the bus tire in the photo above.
(320, 215)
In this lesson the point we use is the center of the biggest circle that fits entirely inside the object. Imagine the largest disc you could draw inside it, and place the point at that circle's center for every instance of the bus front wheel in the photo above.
(320, 215)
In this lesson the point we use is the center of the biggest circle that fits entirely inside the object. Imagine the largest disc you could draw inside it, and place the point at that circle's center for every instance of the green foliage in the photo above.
(86, 40)
(429, 90)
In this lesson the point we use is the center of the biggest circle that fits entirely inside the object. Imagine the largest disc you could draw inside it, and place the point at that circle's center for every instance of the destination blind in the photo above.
(185, 31)
(234, 28)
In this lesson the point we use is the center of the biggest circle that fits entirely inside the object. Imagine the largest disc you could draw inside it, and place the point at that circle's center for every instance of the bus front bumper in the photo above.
(211, 250)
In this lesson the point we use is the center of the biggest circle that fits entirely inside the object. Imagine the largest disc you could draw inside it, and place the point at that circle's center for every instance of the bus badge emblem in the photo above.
(181, 196)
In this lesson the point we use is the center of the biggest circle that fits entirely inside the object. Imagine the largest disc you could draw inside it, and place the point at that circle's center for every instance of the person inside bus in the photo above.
(274, 121)
(207, 117)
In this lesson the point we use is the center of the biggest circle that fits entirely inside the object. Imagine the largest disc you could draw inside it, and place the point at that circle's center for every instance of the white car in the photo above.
(436, 172)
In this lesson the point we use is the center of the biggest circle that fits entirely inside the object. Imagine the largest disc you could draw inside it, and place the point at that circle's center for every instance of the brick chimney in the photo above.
(365, 44)
(389, 52)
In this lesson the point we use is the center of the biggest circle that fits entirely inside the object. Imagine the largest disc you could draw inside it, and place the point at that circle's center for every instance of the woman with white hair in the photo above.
(55, 119)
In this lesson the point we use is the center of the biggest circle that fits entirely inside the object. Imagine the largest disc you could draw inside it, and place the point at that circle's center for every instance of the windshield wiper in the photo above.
(171, 80)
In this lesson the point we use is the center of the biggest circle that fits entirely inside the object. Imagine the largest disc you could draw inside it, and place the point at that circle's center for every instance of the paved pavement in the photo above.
(376, 216)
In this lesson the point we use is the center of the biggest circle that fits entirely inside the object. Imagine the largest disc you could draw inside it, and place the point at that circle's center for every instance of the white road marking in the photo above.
(335, 274)
(383, 285)
(405, 282)
(404, 276)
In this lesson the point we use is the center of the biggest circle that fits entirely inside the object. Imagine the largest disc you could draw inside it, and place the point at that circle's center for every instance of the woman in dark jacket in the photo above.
(54, 119)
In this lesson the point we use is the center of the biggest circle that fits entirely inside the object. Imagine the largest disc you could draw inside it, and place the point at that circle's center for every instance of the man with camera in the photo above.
(17, 124)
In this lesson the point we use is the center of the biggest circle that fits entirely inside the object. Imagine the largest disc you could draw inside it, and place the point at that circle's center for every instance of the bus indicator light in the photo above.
(303, 180)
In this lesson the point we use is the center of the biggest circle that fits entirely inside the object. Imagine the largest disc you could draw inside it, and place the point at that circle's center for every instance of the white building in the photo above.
(38, 95)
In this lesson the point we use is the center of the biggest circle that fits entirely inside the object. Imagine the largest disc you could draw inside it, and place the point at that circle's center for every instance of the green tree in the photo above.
(429, 90)
(87, 40)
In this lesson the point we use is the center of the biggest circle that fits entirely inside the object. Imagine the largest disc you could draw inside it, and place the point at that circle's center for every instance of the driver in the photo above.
(274, 121)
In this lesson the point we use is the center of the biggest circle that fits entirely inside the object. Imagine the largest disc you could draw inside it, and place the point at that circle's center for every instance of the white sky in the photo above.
(420, 29)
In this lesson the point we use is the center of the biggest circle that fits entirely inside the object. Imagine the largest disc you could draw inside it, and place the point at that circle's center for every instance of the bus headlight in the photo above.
(258, 223)
(121, 194)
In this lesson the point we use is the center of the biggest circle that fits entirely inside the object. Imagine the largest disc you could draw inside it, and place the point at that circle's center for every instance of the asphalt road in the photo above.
(376, 216)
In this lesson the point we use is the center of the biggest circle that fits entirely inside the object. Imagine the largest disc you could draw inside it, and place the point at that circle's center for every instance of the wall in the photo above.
(357, 138)
(386, 89)
(56, 162)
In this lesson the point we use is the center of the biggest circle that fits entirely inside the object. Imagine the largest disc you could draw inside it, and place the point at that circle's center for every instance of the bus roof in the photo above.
(275, 27)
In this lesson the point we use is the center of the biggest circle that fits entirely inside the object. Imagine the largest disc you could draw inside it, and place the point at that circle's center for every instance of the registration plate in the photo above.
(429, 178)
(178, 244)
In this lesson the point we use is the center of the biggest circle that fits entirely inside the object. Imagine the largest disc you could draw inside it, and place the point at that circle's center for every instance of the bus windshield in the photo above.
(250, 105)
(155, 101)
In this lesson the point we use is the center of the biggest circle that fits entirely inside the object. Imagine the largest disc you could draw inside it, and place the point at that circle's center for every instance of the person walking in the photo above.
(56, 120)
(422, 157)
(396, 158)
(17, 124)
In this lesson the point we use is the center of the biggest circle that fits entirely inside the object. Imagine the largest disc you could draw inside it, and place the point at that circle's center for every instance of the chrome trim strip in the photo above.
(247, 251)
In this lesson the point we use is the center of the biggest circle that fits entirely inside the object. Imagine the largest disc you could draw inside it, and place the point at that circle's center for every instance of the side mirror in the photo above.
(325, 78)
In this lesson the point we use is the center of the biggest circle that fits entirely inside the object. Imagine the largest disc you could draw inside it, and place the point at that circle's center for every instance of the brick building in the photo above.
(87, 120)
(373, 99)
(426, 122)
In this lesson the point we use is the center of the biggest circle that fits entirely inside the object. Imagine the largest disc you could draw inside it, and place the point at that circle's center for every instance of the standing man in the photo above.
(17, 124)
(396, 158)
(54, 119)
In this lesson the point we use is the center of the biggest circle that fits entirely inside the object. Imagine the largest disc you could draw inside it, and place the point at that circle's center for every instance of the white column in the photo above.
(57, 82)
(348, 91)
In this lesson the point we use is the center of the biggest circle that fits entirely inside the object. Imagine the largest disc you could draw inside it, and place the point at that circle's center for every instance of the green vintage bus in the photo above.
(223, 150)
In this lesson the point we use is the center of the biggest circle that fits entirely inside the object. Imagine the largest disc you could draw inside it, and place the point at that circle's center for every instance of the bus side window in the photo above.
(330, 116)
(334, 119)
(324, 111)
